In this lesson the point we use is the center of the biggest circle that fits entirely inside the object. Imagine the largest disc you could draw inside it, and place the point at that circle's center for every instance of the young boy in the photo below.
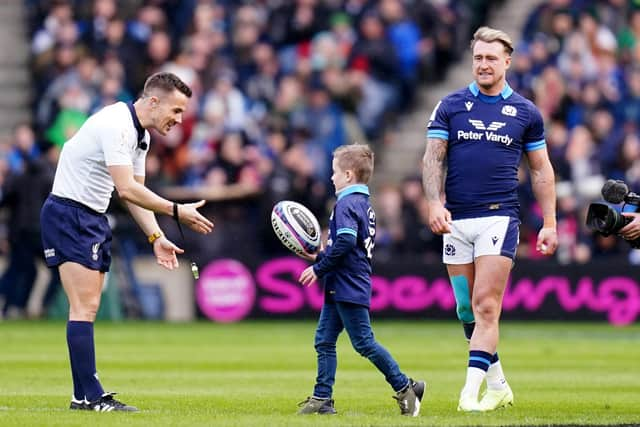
(345, 270)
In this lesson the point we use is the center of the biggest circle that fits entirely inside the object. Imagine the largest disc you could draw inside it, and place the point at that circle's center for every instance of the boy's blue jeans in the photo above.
(335, 317)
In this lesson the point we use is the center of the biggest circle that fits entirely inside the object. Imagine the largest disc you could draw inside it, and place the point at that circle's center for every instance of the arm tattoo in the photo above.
(433, 168)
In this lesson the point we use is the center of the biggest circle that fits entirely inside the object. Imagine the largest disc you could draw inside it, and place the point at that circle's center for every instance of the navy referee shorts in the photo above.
(74, 232)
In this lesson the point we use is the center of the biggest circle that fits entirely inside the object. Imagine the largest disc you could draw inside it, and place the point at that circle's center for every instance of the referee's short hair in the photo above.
(490, 35)
(165, 82)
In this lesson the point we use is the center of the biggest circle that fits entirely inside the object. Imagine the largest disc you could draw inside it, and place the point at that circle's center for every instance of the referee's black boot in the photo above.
(81, 404)
(106, 403)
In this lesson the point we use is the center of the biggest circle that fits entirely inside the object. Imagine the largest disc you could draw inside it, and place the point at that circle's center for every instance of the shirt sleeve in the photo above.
(534, 136)
(333, 256)
(346, 220)
(116, 142)
(438, 126)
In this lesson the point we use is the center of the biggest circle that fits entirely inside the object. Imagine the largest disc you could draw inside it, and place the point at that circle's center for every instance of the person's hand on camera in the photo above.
(189, 216)
(439, 218)
(631, 231)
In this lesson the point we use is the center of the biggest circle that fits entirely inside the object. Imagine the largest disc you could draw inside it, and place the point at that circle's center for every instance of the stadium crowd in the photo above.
(579, 62)
(278, 85)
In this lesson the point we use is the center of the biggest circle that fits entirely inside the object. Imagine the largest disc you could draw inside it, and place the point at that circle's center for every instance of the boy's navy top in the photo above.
(486, 138)
(345, 265)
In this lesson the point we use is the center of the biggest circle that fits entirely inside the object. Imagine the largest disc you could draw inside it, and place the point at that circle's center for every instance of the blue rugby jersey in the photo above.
(350, 280)
(486, 138)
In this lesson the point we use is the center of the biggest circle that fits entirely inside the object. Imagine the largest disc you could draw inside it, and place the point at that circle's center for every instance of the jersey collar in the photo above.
(136, 121)
(505, 93)
(355, 188)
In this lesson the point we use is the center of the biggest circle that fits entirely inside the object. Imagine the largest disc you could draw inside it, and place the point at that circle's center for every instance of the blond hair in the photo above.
(490, 35)
(357, 158)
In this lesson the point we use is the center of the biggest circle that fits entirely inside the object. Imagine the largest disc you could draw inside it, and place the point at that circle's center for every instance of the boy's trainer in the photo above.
(410, 397)
(313, 405)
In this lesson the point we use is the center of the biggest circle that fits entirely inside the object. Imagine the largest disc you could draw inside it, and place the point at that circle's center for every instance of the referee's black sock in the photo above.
(83, 359)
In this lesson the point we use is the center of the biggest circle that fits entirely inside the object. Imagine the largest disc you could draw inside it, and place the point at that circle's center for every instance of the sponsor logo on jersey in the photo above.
(479, 124)
(468, 105)
(489, 133)
(49, 253)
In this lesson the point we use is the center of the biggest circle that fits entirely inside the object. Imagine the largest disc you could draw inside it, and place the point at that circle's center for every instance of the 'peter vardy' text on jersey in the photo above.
(486, 138)
(352, 214)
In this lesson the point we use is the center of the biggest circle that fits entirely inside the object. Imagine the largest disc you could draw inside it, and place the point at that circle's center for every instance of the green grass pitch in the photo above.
(254, 374)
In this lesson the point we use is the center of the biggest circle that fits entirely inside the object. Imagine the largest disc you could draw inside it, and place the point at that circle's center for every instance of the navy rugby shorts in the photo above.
(74, 232)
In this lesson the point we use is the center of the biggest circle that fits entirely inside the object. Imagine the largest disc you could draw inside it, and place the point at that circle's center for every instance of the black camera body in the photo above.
(606, 220)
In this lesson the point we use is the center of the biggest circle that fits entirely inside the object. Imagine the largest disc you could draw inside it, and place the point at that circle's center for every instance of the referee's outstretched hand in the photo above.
(189, 216)
(165, 252)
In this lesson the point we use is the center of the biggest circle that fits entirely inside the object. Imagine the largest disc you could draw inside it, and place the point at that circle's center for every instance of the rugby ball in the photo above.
(296, 227)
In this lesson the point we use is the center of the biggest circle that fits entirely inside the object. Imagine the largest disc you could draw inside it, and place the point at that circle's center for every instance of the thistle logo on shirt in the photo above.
(489, 132)
(509, 110)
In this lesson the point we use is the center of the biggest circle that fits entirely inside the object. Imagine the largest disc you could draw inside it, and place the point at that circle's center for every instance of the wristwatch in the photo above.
(155, 236)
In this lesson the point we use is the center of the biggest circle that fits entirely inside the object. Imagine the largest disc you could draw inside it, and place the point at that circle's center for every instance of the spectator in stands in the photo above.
(226, 98)
(24, 148)
(326, 126)
(23, 193)
(406, 38)
(84, 78)
(45, 37)
(417, 237)
(96, 30)
(374, 55)
(389, 225)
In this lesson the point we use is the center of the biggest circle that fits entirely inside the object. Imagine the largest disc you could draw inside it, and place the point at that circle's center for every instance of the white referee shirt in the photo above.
(107, 138)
